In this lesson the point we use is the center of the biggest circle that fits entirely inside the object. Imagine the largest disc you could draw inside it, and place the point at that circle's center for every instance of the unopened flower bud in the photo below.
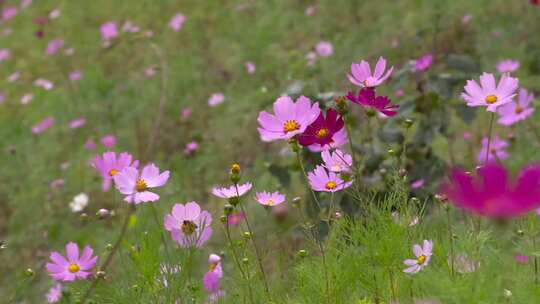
(507, 293)
(391, 152)
(102, 213)
(223, 219)
(109, 247)
(302, 253)
(228, 209)
(246, 235)
(296, 202)
(29, 272)
(245, 261)
(235, 169)
(520, 232)
(408, 122)
(402, 172)
(100, 274)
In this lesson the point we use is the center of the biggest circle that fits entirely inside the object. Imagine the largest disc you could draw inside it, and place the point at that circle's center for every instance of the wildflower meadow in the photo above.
(268, 152)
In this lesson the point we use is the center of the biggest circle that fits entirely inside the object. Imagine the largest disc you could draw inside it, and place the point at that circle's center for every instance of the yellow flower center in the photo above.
(213, 266)
(141, 185)
(188, 227)
(290, 125)
(491, 99)
(518, 109)
(73, 268)
(322, 133)
(331, 185)
(113, 172)
(421, 260)
(270, 202)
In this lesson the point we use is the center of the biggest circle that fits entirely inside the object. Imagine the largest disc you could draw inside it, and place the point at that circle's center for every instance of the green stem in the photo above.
(451, 240)
(235, 258)
(489, 137)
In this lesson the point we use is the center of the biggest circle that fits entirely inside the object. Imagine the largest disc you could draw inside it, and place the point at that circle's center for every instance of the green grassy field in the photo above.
(207, 56)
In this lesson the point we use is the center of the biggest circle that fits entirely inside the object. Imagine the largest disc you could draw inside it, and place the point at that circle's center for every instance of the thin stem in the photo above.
(451, 239)
(163, 239)
(489, 137)
(392, 287)
(235, 257)
(109, 258)
(325, 270)
(301, 164)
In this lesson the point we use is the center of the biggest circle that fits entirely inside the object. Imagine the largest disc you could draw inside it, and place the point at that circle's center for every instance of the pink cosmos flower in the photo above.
(150, 72)
(361, 75)
(2, 97)
(269, 199)
(521, 259)
(311, 58)
(322, 130)
(507, 66)
(77, 123)
(467, 136)
(129, 27)
(211, 279)
(324, 49)
(44, 84)
(466, 19)
(497, 150)
(5, 54)
(13, 76)
(9, 12)
(185, 113)
(310, 10)
(250, 67)
(110, 164)
(53, 46)
(108, 31)
(108, 141)
(399, 93)
(289, 118)
(337, 161)
(513, 112)
(57, 183)
(231, 192)
(177, 22)
(367, 98)
(423, 255)
(90, 144)
(321, 180)
(135, 186)
(188, 225)
(43, 125)
(235, 218)
(423, 63)
(190, 148)
(216, 99)
(338, 139)
(491, 194)
(27, 98)
(488, 94)
(26, 3)
(54, 14)
(419, 183)
(75, 76)
(73, 268)
(54, 294)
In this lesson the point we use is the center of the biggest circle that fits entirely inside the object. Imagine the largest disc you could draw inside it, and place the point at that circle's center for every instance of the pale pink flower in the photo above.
(232, 191)
(108, 141)
(57, 183)
(489, 94)
(27, 98)
(466, 19)
(215, 99)
(14, 76)
(189, 225)
(185, 113)
(77, 123)
(9, 12)
(190, 148)
(150, 72)
(90, 144)
(53, 46)
(337, 161)
(362, 76)
(54, 14)
(129, 27)
(513, 112)
(211, 279)
(108, 31)
(507, 66)
(44, 84)
(69, 51)
(419, 183)
(43, 125)
(5, 54)
(423, 255)
(269, 199)
(497, 150)
(324, 181)
(135, 185)
(399, 93)
(2, 98)
(250, 67)
(75, 76)
(310, 11)
(74, 267)
(324, 49)
(177, 22)
(311, 58)
(54, 294)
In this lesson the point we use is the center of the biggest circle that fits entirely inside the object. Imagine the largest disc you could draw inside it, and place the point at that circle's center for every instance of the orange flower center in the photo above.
(322, 133)
(73, 268)
(421, 259)
(188, 227)
(113, 172)
(290, 125)
(518, 109)
(270, 202)
(141, 185)
(491, 99)
(213, 266)
(331, 185)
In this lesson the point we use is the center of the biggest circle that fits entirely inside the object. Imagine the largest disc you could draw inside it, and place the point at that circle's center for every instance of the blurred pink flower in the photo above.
(362, 76)
(189, 225)
(232, 191)
(507, 66)
(57, 183)
(521, 259)
(497, 150)
(250, 67)
(235, 218)
(43, 125)
(2, 98)
(423, 63)
(90, 144)
(513, 112)
(337, 161)
(44, 84)
(211, 279)
(129, 27)
(27, 98)
(150, 71)
(14, 76)
(135, 185)
(177, 22)
(310, 11)
(269, 199)
(185, 113)
(75, 76)
(466, 19)
(419, 183)
(489, 94)
(311, 58)
(54, 14)
(324, 49)
(5, 54)
(399, 93)
(190, 148)
(53, 46)
(322, 180)
(108, 31)
(215, 99)
(54, 294)
(423, 256)
(9, 12)
(467, 135)
(77, 123)
(108, 141)
(75, 267)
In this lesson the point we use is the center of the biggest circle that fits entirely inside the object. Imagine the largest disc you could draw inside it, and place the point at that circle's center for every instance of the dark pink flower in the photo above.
(322, 130)
(367, 98)
(491, 194)
(423, 63)
(75, 266)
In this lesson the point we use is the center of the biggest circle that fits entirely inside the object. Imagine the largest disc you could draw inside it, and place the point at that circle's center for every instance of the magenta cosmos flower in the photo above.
(189, 225)
(423, 255)
(211, 279)
(507, 66)
(135, 186)
(73, 268)
(54, 294)
(338, 139)
(513, 112)
(423, 63)
(269, 199)
(321, 180)
(367, 98)
(322, 130)
(488, 93)
(110, 164)
(43, 125)
(289, 118)
(497, 150)
(361, 75)
(490, 193)
(337, 161)
(232, 191)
